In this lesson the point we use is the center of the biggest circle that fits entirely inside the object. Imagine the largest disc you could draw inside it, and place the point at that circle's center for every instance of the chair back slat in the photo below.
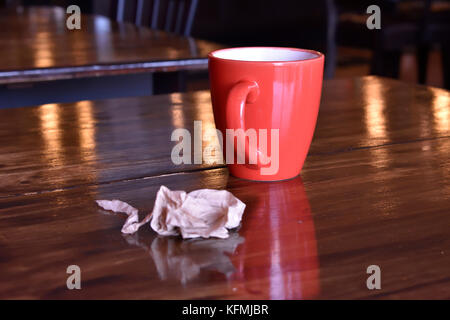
(179, 20)
(175, 16)
(120, 10)
(139, 12)
(155, 14)
(169, 15)
(190, 18)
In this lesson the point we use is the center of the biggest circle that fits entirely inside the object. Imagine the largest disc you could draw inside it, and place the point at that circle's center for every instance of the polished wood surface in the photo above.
(375, 190)
(36, 45)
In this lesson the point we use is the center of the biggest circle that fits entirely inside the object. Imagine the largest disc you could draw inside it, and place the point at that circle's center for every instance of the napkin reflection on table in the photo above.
(186, 259)
(201, 213)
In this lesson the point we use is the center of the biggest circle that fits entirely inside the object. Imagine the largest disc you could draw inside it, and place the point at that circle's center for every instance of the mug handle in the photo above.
(240, 94)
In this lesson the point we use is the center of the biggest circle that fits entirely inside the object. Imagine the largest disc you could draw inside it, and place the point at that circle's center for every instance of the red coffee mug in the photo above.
(265, 102)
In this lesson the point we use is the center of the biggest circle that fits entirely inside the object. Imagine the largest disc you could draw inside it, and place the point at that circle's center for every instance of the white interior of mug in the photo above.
(265, 54)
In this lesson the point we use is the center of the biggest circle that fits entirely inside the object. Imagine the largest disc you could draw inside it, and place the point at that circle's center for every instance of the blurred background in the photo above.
(412, 44)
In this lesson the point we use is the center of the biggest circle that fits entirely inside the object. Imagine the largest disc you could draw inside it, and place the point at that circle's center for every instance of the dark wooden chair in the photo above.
(405, 24)
(418, 25)
(399, 30)
(174, 16)
(435, 30)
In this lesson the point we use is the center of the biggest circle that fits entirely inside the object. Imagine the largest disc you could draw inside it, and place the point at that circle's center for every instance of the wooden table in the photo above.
(104, 59)
(36, 45)
(375, 190)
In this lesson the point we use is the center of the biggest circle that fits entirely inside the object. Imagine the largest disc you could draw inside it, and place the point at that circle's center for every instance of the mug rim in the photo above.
(318, 55)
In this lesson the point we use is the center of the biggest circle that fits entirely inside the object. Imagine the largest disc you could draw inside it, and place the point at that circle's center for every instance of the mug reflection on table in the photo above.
(279, 258)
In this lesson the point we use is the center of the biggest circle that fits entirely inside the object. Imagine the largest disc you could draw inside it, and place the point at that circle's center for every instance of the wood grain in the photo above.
(62, 145)
(36, 45)
(375, 190)
(309, 237)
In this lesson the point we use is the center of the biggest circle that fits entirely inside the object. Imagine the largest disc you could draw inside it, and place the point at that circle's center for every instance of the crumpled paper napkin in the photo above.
(201, 213)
